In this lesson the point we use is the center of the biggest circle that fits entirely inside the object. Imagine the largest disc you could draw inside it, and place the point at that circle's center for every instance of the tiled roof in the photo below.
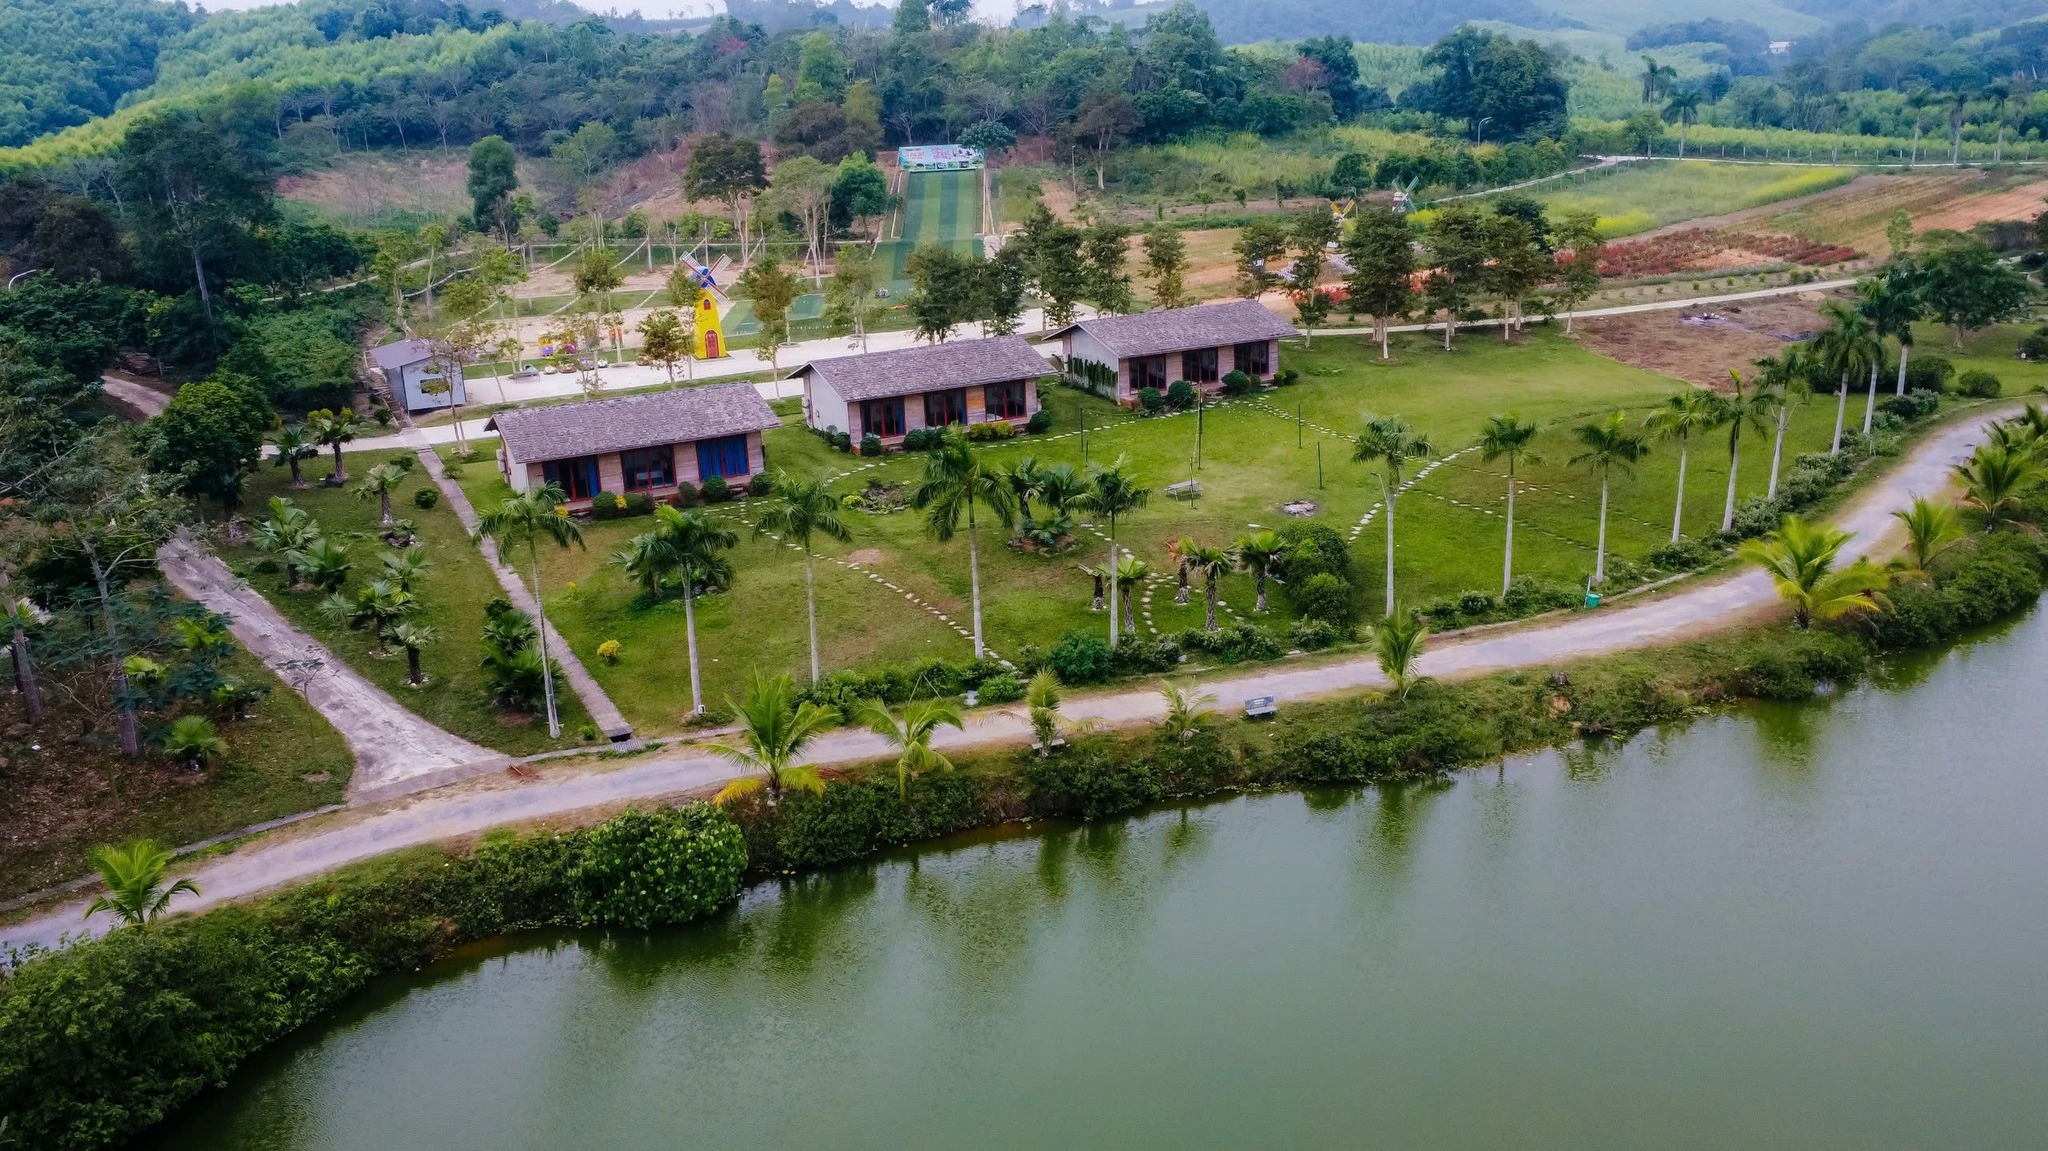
(597, 426)
(908, 371)
(399, 353)
(1177, 329)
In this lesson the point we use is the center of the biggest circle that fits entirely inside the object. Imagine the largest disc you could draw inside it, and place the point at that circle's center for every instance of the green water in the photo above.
(1820, 926)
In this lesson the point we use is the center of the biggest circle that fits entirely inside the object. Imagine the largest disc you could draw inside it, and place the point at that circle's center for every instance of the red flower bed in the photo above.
(1698, 249)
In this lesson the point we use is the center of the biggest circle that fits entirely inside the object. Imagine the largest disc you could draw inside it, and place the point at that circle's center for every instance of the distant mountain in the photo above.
(1378, 21)
(1978, 15)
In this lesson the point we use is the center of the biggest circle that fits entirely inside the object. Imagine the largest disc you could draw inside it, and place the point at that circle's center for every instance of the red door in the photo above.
(711, 351)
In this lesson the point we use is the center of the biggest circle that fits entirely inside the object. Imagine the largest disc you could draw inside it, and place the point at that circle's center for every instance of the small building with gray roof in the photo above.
(1201, 345)
(890, 394)
(412, 375)
(649, 443)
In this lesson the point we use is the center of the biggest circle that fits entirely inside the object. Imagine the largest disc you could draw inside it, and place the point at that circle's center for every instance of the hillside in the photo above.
(64, 62)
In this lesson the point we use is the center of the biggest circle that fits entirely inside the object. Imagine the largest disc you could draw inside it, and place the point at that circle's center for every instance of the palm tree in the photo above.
(1782, 378)
(2000, 93)
(686, 548)
(1393, 445)
(333, 428)
(1256, 552)
(1996, 479)
(1931, 529)
(412, 637)
(1609, 445)
(289, 529)
(406, 567)
(1508, 438)
(1683, 110)
(1042, 699)
(134, 875)
(1398, 641)
(804, 508)
(1891, 304)
(1188, 713)
(1845, 349)
(1062, 488)
(774, 730)
(19, 615)
(1958, 104)
(1023, 478)
(1800, 559)
(526, 520)
(377, 607)
(1739, 411)
(955, 480)
(322, 563)
(912, 735)
(294, 445)
(1130, 572)
(377, 484)
(1112, 494)
(1209, 563)
(1689, 411)
(193, 742)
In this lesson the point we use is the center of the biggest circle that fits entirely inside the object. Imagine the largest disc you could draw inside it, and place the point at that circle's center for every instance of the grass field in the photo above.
(1639, 197)
(451, 601)
(1449, 539)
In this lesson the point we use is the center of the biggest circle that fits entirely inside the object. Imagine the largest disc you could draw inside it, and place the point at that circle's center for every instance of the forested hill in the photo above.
(63, 62)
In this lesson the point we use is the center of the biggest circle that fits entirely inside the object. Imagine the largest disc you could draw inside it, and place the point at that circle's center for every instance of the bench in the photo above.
(1260, 707)
(1184, 490)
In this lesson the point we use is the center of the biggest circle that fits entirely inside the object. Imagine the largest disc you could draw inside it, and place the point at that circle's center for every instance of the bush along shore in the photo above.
(102, 1040)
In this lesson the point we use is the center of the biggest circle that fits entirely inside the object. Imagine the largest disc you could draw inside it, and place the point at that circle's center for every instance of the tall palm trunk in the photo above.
(1600, 547)
(1870, 402)
(1678, 512)
(1777, 452)
(974, 577)
(1387, 490)
(811, 609)
(1728, 505)
(1507, 566)
(1905, 350)
(690, 633)
(1260, 606)
(547, 665)
(1112, 584)
(1130, 617)
(1209, 593)
(1841, 409)
(340, 476)
(25, 676)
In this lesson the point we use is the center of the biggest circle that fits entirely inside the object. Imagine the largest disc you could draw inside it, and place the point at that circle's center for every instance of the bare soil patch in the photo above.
(865, 557)
(1701, 345)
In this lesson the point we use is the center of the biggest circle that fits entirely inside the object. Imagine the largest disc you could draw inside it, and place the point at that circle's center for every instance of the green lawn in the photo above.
(452, 602)
(1450, 532)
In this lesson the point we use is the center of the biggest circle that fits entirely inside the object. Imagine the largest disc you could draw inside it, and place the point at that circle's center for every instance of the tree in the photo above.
(1398, 643)
(333, 428)
(955, 481)
(1313, 230)
(1657, 79)
(1104, 247)
(1508, 438)
(1645, 128)
(1682, 414)
(1113, 494)
(942, 292)
(198, 184)
(727, 168)
(773, 289)
(526, 520)
(19, 615)
(1130, 572)
(774, 730)
(1259, 243)
(1800, 559)
(1844, 349)
(1042, 701)
(378, 483)
(1166, 265)
(662, 341)
(1000, 284)
(134, 875)
(210, 436)
(1052, 252)
(407, 568)
(1610, 446)
(1515, 263)
(804, 186)
(1381, 251)
(1393, 445)
(1188, 714)
(413, 637)
(804, 507)
(1966, 286)
(850, 293)
(1256, 552)
(912, 735)
(1578, 273)
(684, 548)
(1996, 479)
(1209, 563)
(493, 179)
(1737, 411)
(685, 295)
(1456, 244)
(377, 607)
(992, 137)
(1931, 529)
(1891, 304)
(1105, 119)
(1684, 111)
(1784, 379)
(294, 445)
(859, 190)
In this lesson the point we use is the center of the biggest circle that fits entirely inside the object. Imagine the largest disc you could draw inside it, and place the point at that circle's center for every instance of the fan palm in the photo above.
(955, 482)
(525, 520)
(1931, 529)
(289, 528)
(1130, 572)
(333, 428)
(294, 444)
(1610, 446)
(406, 567)
(192, 741)
(1692, 410)
(134, 875)
(1393, 445)
(1209, 563)
(803, 509)
(1738, 410)
(1845, 349)
(1508, 438)
(1996, 479)
(1188, 713)
(1112, 494)
(912, 735)
(377, 484)
(412, 637)
(322, 563)
(774, 730)
(1398, 642)
(376, 607)
(1256, 552)
(1800, 559)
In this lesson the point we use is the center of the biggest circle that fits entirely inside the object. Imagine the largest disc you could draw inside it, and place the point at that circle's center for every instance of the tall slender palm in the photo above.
(1610, 445)
(912, 735)
(1690, 411)
(1800, 559)
(683, 548)
(955, 481)
(1995, 480)
(1393, 445)
(527, 520)
(1784, 379)
(1256, 551)
(1209, 563)
(1845, 349)
(774, 730)
(134, 875)
(1508, 438)
(1684, 111)
(1891, 302)
(1739, 410)
(1931, 529)
(294, 446)
(803, 509)
(1112, 494)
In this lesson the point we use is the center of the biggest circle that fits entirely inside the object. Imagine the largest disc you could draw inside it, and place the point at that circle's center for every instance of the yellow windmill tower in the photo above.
(710, 332)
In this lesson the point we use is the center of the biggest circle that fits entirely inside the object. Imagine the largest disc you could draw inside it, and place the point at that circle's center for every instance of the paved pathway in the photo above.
(392, 745)
(480, 805)
(144, 398)
(603, 712)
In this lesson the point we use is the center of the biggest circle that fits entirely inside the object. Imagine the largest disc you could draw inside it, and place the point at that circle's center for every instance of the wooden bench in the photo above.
(1184, 490)
(1260, 707)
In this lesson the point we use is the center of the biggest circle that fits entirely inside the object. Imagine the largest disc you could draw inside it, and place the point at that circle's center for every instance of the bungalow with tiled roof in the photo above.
(1201, 345)
(890, 394)
(646, 443)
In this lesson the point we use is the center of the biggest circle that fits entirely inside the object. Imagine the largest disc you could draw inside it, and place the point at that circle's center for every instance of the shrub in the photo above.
(427, 497)
(715, 490)
(1286, 378)
(1089, 784)
(760, 484)
(1236, 383)
(1327, 597)
(685, 495)
(842, 441)
(1080, 658)
(1928, 373)
(1685, 555)
(496, 606)
(607, 506)
(1002, 687)
(989, 430)
(1525, 597)
(1309, 549)
(1978, 384)
(1039, 423)
(1181, 395)
(1911, 406)
(919, 439)
(2035, 345)
(1234, 644)
(1152, 400)
(1313, 634)
(608, 651)
(649, 869)
(871, 445)
(1148, 655)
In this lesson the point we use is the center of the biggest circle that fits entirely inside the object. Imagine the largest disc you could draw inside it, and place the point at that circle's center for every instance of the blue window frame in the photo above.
(725, 457)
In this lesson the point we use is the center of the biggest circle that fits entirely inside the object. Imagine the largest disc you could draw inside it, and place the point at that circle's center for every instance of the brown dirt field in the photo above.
(1701, 345)
(1857, 213)
(2021, 203)
(366, 187)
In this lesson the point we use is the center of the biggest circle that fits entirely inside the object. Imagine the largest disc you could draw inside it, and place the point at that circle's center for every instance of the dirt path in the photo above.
(482, 804)
(391, 744)
(142, 399)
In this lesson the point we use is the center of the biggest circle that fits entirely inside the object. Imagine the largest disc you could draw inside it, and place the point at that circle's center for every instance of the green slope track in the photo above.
(938, 208)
